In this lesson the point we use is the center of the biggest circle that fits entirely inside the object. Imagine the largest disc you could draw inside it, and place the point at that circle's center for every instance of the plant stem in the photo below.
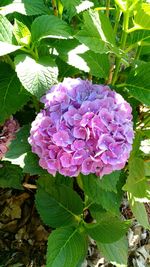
(122, 45)
(138, 52)
(31, 52)
(117, 19)
(54, 5)
(107, 7)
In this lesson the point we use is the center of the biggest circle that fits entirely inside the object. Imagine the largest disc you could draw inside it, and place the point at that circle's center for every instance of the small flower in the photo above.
(83, 127)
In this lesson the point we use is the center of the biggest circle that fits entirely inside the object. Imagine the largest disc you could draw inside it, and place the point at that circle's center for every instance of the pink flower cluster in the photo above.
(84, 127)
(7, 134)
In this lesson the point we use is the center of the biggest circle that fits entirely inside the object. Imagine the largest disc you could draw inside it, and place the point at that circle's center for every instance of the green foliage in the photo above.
(116, 252)
(108, 199)
(142, 16)
(49, 27)
(108, 229)
(137, 183)
(139, 211)
(97, 33)
(10, 176)
(20, 153)
(12, 94)
(79, 56)
(21, 33)
(36, 76)
(138, 83)
(6, 37)
(57, 205)
(69, 250)
(76, 6)
(25, 7)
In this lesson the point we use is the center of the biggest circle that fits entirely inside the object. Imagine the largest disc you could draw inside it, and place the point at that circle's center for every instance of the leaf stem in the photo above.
(138, 52)
(107, 7)
(31, 52)
(122, 45)
(117, 19)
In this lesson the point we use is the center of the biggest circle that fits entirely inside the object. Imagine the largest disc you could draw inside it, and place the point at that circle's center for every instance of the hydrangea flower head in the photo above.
(7, 134)
(83, 127)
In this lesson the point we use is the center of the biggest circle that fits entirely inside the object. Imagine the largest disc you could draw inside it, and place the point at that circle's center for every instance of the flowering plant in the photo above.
(75, 76)
(84, 128)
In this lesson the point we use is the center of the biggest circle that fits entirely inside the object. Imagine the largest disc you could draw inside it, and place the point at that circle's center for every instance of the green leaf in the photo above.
(66, 247)
(139, 211)
(142, 16)
(6, 37)
(97, 33)
(49, 26)
(136, 183)
(109, 229)
(108, 200)
(97, 211)
(140, 37)
(36, 77)
(10, 176)
(31, 164)
(76, 6)
(79, 56)
(138, 83)
(147, 168)
(20, 144)
(66, 70)
(57, 205)
(25, 7)
(109, 181)
(19, 153)
(98, 64)
(12, 94)
(116, 253)
(21, 33)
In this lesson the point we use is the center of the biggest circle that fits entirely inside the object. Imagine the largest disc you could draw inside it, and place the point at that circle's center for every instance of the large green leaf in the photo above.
(79, 56)
(107, 230)
(97, 33)
(116, 253)
(25, 7)
(140, 37)
(66, 247)
(57, 205)
(98, 64)
(76, 6)
(10, 176)
(108, 200)
(109, 181)
(36, 77)
(136, 183)
(12, 94)
(6, 37)
(19, 153)
(139, 211)
(97, 211)
(142, 16)
(49, 27)
(138, 83)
